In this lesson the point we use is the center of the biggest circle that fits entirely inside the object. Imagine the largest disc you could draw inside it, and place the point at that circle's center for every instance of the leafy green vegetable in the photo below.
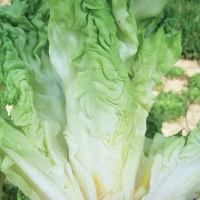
(92, 47)
(172, 157)
(80, 83)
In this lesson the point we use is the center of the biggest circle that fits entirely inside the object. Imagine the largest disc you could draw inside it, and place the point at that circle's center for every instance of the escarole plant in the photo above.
(79, 75)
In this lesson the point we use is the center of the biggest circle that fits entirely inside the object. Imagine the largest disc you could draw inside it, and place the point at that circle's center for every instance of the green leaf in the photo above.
(169, 166)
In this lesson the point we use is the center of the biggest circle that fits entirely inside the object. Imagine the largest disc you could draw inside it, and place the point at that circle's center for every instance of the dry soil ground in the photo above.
(3, 2)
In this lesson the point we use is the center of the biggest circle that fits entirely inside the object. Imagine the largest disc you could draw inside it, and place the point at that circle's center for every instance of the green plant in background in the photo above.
(193, 92)
(194, 81)
(154, 124)
(169, 106)
(12, 192)
(175, 72)
(21, 196)
(2, 180)
(2, 86)
(190, 27)
(159, 85)
(193, 95)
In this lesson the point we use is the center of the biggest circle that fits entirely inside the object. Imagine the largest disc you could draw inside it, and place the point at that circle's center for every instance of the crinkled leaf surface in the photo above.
(80, 83)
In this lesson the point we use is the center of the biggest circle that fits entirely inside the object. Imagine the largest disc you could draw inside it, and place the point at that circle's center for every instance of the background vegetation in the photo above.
(170, 106)
(190, 27)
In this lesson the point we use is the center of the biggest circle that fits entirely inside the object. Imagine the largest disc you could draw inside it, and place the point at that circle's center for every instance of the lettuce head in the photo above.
(79, 76)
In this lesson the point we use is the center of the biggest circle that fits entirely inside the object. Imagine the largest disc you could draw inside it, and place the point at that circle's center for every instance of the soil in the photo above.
(4, 2)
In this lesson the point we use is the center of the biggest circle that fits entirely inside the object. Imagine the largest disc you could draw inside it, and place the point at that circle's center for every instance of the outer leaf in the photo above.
(108, 79)
(34, 154)
(174, 165)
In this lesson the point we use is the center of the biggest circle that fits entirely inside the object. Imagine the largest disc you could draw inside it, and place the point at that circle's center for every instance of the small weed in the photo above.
(175, 72)
(194, 81)
(169, 106)
(193, 92)
(159, 85)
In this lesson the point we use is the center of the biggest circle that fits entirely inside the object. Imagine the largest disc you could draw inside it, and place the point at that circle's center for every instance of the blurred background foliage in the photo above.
(193, 92)
(190, 27)
(170, 106)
